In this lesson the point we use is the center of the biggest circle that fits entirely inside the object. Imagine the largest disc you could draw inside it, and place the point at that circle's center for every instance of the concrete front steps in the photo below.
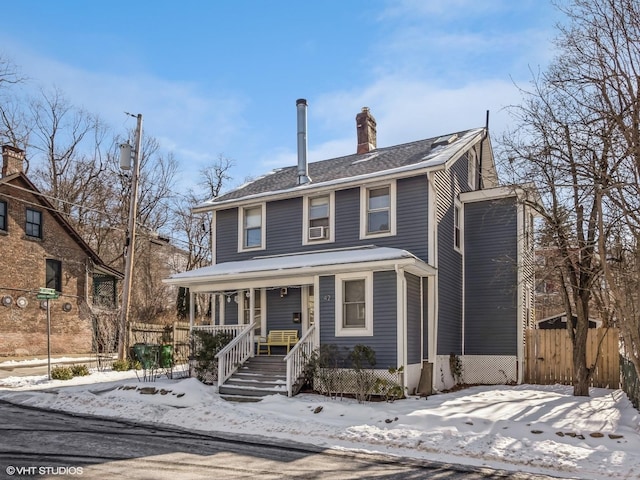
(260, 376)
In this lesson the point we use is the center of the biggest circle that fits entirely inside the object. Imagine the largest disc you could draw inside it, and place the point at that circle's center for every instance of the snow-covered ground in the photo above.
(528, 428)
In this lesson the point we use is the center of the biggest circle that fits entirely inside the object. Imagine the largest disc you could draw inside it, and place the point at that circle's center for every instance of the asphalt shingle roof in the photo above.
(378, 160)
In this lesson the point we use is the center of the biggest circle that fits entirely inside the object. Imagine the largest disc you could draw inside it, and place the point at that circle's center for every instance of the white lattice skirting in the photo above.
(477, 369)
(489, 369)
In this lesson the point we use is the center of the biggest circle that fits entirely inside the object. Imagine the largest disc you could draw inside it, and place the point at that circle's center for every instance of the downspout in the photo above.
(432, 285)
(520, 292)
(401, 320)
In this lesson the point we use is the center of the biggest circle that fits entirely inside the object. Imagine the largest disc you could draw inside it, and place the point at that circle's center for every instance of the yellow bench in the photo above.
(278, 338)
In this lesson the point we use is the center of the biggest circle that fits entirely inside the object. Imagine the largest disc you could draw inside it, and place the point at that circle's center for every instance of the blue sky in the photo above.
(222, 77)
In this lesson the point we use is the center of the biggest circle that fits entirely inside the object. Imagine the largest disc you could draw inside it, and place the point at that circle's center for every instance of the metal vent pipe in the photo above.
(303, 169)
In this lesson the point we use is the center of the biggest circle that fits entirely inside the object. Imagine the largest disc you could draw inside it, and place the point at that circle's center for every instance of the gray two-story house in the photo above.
(413, 250)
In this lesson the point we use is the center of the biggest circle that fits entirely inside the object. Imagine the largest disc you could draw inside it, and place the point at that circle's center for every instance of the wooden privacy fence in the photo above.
(549, 357)
(176, 334)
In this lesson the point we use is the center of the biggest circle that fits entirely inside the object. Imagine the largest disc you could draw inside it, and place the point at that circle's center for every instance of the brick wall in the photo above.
(23, 330)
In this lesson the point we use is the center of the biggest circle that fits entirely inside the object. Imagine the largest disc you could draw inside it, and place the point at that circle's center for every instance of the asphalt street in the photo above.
(47, 444)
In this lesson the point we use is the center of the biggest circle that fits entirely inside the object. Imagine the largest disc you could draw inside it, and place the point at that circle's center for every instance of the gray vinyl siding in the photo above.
(414, 310)
(284, 224)
(384, 339)
(280, 310)
(385, 323)
(230, 309)
(327, 300)
(449, 184)
(491, 279)
(226, 226)
(449, 271)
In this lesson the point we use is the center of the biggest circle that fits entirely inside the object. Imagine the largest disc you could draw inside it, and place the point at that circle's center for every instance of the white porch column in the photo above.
(223, 306)
(192, 308)
(252, 313)
(401, 317)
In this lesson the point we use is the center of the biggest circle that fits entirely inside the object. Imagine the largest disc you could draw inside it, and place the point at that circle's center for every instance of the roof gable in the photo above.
(388, 161)
(46, 204)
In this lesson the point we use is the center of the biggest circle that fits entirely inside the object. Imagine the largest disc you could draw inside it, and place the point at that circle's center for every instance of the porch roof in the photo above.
(278, 270)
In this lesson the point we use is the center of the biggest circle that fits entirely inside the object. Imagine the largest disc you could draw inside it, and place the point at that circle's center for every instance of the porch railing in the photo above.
(235, 353)
(234, 330)
(298, 358)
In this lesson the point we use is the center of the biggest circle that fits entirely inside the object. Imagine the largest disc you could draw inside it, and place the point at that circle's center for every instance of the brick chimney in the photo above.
(12, 160)
(366, 126)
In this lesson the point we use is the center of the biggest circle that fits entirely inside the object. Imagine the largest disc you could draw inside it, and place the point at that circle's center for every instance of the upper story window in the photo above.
(318, 222)
(354, 304)
(33, 226)
(3, 215)
(54, 275)
(457, 226)
(378, 206)
(472, 173)
(251, 228)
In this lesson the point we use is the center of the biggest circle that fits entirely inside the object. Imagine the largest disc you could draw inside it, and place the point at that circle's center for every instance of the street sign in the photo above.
(41, 296)
(47, 291)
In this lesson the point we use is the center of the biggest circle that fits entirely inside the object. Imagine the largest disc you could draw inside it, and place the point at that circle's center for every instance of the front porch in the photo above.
(326, 297)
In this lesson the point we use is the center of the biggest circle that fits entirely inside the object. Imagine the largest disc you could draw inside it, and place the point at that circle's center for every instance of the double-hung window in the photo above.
(251, 231)
(33, 225)
(378, 210)
(472, 170)
(3, 215)
(457, 226)
(318, 219)
(354, 304)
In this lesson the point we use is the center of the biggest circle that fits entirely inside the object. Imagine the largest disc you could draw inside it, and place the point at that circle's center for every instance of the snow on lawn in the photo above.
(528, 428)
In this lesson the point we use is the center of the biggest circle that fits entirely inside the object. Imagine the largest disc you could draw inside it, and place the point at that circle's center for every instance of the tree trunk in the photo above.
(582, 373)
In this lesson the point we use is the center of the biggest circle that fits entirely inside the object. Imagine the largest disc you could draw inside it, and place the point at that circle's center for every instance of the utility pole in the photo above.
(125, 164)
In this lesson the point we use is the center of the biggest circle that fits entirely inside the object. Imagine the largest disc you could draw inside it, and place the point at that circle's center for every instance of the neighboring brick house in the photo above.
(39, 248)
(414, 250)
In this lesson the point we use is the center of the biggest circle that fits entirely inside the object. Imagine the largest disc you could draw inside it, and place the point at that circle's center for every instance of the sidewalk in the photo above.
(37, 364)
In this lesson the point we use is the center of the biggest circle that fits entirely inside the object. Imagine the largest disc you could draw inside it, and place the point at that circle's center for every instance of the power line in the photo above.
(118, 229)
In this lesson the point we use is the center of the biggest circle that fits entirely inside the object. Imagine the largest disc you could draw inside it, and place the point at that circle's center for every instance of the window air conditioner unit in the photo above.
(318, 232)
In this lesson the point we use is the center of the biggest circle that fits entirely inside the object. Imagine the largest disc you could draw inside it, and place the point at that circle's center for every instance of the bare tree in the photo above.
(14, 130)
(69, 142)
(195, 228)
(579, 137)
(602, 53)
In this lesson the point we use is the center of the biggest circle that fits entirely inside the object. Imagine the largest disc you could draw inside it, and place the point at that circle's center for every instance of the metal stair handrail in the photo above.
(298, 358)
(235, 353)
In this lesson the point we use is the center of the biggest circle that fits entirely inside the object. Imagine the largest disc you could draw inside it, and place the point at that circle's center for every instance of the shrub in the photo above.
(79, 370)
(323, 369)
(206, 347)
(120, 365)
(363, 359)
(61, 373)
(388, 389)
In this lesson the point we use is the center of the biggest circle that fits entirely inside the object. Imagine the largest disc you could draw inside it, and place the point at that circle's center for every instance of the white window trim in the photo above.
(367, 331)
(364, 204)
(458, 205)
(472, 169)
(263, 227)
(332, 219)
(262, 307)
